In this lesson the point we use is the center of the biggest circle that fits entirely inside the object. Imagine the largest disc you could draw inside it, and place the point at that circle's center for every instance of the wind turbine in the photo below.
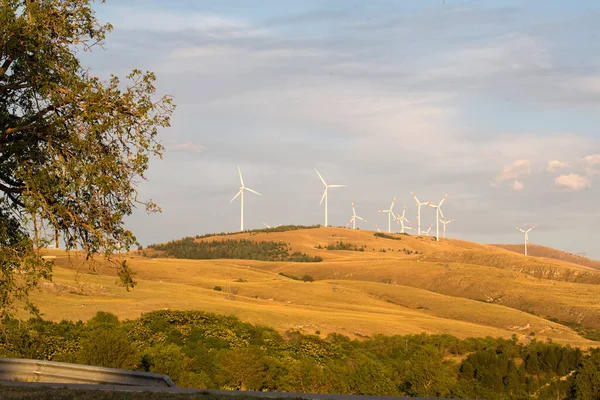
(427, 232)
(390, 215)
(444, 222)
(401, 218)
(241, 195)
(438, 211)
(325, 193)
(268, 226)
(354, 218)
(526, 232)
(377, 226)
(419, 204)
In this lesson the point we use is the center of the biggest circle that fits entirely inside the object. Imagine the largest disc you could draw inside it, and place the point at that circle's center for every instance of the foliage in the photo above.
(108, 348)
(388, 236)
(189, 248)
(282, 228)
(305, 278)
(72, 147)
(344, 246)
(200, 349)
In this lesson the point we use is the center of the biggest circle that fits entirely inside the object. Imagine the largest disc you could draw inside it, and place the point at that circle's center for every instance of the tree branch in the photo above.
(13, 86)
(8, 189)
(5, 67)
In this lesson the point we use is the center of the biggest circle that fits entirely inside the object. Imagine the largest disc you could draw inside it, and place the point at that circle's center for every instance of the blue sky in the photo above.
(496, 103)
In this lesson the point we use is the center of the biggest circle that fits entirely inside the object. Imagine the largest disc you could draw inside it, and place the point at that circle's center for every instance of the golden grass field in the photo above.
(455, 287)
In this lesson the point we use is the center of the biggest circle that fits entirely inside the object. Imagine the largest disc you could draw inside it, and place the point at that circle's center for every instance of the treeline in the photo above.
(199, 349)
(342, 246)
(388, 236)
(189, 248)
(281, 228)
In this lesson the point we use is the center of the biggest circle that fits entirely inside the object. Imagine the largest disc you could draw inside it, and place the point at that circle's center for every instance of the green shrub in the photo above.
(386, 236)
(166, 359)
(307, 278)
(105, 318)
(218, 288)
(344, 246)
(108, 348)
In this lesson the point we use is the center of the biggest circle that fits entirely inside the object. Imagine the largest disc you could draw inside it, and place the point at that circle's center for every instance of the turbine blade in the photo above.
(444, 199)
(528, 230)
(236, 196)
(253, 191)
(324, 193)
(322, 180)
(336, 186)
(440, 208)
(413, 195)
(241, 179)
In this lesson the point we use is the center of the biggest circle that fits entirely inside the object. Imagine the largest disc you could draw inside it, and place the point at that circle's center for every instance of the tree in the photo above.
(72, 147)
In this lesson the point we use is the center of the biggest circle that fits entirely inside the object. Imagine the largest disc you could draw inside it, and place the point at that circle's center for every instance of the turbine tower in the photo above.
(444, 222)
(241, 195)
(419, 204)
(526, 232)
(325, 193)
(390, 215)
(354, 218)
(401, 218)
(438, 211)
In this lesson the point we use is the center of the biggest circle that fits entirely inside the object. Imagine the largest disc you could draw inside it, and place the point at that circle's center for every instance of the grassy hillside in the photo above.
(536, 250)
(404, 286)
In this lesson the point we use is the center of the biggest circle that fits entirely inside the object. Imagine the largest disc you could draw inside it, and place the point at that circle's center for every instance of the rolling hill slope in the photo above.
(395, 286)
(535, 250)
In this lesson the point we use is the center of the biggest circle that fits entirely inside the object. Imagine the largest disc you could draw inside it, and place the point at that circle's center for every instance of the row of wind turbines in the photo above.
(400, 219)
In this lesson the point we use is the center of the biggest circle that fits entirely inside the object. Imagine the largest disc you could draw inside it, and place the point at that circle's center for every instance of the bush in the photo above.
(104, 318)
(108, 348)
(344, 246)
(166, 359)
(386, 236)
(218, 288)
(307, 278)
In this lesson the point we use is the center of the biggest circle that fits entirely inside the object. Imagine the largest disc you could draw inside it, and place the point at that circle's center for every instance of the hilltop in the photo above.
(535, 250)
(396, 284)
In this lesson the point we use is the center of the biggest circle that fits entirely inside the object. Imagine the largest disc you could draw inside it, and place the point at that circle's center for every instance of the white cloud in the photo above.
(592, 164)
(209, 24)
(555, 165)
(572, 181)
(517, 186)
(514, 170)
(187, 147)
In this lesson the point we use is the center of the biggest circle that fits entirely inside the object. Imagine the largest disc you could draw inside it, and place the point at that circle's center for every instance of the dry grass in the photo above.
(536, 250)
(455, 287)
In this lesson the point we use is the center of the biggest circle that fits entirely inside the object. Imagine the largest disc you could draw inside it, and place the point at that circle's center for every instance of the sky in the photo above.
(496, 103)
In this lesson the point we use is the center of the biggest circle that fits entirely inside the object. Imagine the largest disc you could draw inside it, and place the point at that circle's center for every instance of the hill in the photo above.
(536, 250)
(398, 285)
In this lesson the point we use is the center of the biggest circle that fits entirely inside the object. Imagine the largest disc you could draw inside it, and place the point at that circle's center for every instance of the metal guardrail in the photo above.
(24, 370)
